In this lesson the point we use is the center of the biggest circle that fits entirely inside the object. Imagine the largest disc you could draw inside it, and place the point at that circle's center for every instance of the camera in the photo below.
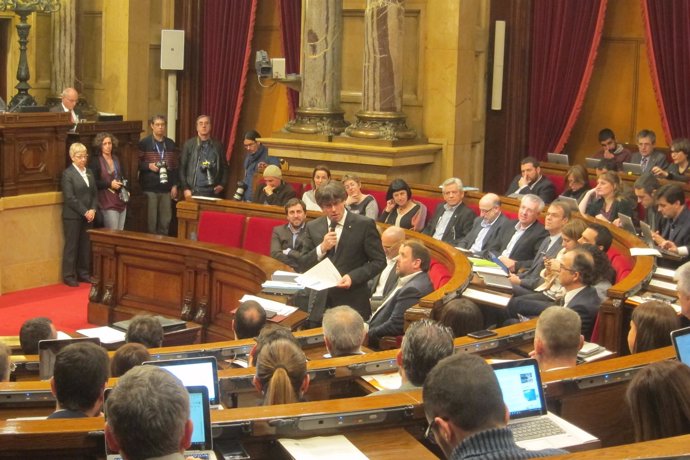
(162, 171)
(239, 193)
(207, 166)
(124, 193)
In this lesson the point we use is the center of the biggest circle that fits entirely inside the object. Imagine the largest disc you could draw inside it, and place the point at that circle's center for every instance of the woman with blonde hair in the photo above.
(281, 373)
(606, 200)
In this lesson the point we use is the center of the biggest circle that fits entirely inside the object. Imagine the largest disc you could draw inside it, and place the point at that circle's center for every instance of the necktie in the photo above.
(643, 163)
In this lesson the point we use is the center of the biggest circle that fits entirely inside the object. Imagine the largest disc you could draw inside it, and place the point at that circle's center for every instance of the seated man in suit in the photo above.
(674, 228)
(383, 284)
(531, 181)
(69, 99)
(487, 229)
(452, 220)
(353, 244)
(521, 243)
(612, 150)
(557, 339)
(79, 378)
(33, 331)
(250, 318)
(467, 417)
(425, 343)
(343, 331)
(136, 425)
(413, 284)
(274, 191)
(645, 187)
(647, 157)
(286, 240)
(598, 235)
(146, 330)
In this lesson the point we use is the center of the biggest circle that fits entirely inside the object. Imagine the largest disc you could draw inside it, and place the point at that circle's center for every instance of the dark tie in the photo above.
(643, 163)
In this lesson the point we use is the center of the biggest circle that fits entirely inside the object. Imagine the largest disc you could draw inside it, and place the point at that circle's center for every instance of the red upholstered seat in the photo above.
(379, 196)
(473, 206)
(221, 228)
(622, 263)
(438, 273)
(558, 182)
(298, 187)
(513, 215)
(430, 204)
(257, 235)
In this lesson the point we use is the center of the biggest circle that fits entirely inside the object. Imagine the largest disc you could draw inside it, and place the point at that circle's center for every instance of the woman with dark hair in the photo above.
(659, 401)
(606, 200)
(651, 324)
(358, 202)
(401, 210)
(462, 316)
(680, 168)
(281, 373)
(110, 181)
(604, 273)
(577, 181)
(320, 175)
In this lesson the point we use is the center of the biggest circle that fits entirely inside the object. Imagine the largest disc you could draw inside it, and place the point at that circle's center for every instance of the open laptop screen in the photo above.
(681, 341)
(201, 418)
(202, 371)
(48, 350)
(521, 387)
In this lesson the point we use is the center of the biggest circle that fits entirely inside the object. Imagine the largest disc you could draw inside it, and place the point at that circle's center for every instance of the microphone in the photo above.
(333, 225)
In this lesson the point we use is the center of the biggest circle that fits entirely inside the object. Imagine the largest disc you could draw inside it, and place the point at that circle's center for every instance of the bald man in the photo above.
(69, 99)
(381, 285)
(487, 229)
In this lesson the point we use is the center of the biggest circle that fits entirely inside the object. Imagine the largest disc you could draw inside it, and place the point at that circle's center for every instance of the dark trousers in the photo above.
(76, 256)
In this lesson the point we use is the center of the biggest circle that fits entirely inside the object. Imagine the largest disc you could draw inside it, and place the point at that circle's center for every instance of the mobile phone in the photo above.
(484, 333)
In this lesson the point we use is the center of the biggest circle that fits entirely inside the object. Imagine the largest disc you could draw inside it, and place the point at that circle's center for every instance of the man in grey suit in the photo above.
(79, 198)
(413, 284)
(521, 243)
(647, 157)
(487, 229)
(353, 244)
(451, 220)
(286, 240)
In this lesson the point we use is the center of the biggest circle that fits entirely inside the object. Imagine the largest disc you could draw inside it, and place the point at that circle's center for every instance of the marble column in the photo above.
(381, 116)
(64, 39)
(319, 103)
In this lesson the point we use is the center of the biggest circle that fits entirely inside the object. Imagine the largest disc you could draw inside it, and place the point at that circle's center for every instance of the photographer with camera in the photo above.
(110, 182)
(203, 167)
(158, 163)
(256, 161)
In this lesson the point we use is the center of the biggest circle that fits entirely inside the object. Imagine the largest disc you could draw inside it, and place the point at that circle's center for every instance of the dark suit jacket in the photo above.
(543, 188)
(531, 278)
(586, 304)
(359, 253)
(527, 246)
(390, 283)
(655, 159)
(677, 231)
(76, 195)
(390, 318)
(459, 225)
(280, 195)
(58, 109)
(281, 239)
(493, 239)
(66, 414)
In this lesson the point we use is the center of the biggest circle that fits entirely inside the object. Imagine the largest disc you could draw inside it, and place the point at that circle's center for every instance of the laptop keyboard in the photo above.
(534, 429)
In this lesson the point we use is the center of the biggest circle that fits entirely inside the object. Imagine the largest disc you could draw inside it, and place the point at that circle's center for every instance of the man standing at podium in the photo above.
(70, 97)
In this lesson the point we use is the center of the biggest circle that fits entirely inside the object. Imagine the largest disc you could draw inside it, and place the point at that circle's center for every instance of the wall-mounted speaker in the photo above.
(172, 49)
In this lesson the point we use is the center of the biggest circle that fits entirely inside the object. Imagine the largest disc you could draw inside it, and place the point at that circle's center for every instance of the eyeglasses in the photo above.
(429, 433)
(250, 145)
(13, 366)
(81, 156)
(563, 267)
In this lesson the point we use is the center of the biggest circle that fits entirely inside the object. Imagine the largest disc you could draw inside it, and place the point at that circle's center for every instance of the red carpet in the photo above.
(64, 305)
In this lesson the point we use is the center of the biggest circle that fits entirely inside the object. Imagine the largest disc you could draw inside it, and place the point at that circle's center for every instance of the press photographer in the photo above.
(203, 167)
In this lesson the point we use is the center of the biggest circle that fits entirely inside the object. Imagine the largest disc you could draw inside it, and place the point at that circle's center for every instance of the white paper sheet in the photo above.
(331, 447)
(321, 276)
(105, 334)
(644, 252)
(271, 305)
(486, 297)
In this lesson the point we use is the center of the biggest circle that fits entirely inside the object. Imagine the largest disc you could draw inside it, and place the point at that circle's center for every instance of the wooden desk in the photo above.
(390, 444)
(667, 448)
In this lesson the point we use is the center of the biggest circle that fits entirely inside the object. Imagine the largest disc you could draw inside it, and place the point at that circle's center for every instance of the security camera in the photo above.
(264, 68)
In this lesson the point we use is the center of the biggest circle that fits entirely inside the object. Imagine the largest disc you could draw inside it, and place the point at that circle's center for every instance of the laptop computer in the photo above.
(523, 394)
(681, 342)
(632, 168)
(627, 223)
(496, 281)
(558, 158)
(592, 163)
(168, 324)
(48, 349)
(200, 371)
(646, 234)
(199, 413)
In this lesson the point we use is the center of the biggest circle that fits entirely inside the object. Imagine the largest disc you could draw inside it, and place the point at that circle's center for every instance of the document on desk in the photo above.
(105, 334)
(321, 276)
(644, 252)
(486, 297)
(278, 308)
(332, 447)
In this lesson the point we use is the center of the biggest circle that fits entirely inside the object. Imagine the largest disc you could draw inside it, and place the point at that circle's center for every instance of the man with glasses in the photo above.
(452, 220)
(522, 242)
(256, 160)
(647, 157)
(69, 98)
(467, 417)
(382, 285)
(203, 168)
(487, 229)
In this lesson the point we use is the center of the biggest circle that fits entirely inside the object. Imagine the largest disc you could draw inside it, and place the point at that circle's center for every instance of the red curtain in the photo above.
(291, 22)
(226, 44)
(667, 28)
(565, 38)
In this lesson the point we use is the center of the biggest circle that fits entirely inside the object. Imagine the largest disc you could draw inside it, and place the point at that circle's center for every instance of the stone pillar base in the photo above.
(314, 121)
(380, 125)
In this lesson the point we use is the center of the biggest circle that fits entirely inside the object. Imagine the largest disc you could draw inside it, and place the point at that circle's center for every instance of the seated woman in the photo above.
(651, 325)
(578, 182)
(462, 316)
(680, 168)
(606, 201)
(604, 273)
(358, 202)
(401, 210)
(319, 176)
(281, 373)
(659, 401)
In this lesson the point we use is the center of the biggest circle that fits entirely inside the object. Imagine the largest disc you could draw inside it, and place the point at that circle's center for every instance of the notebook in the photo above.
(681, 341)
(558, 158)
(199, 413)
(201, 371)
(647, 238)
(592, 163)
(627, 223)
(168, 324)
(48, 349)
(523, 394)
(632, 168)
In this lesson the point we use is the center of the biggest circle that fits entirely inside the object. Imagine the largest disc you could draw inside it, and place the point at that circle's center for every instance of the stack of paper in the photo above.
(331, 447)
(105, 334)
(278, 308)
